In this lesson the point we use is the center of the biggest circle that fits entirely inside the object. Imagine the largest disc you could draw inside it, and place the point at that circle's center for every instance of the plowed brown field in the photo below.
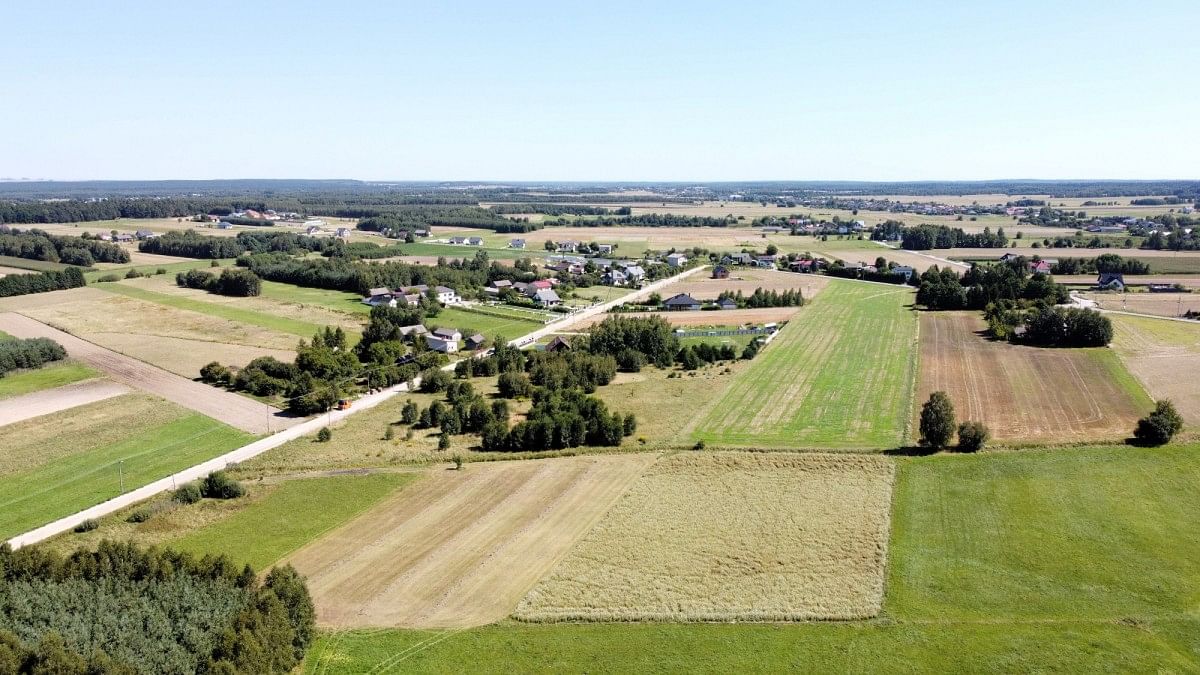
(462, 547)
(1026, 393)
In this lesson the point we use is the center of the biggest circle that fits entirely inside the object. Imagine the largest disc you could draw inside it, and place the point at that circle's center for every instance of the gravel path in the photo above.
(38, 403)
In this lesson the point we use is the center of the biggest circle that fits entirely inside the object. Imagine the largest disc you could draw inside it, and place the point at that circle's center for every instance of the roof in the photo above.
(447, 333)
(379, 291)
(476, 339)
(559, 342)
(725, 302)
(681, 299)
(444, 289)
(416, 329)
(546, 295)
(1109, 277)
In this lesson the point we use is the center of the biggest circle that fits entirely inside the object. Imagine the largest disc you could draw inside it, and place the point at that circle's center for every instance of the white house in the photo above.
(905, 270)
(635, 272)
(546, 297)
(444, 340)
(516, 243)
(447, 295)
(604, 248)
(474, 241)
(342, 233)
(677, 260)
(380, 296)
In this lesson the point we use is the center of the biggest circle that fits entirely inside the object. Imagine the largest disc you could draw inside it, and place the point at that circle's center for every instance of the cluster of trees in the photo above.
(44, 282)
(652, 336)
(1160, 425)
(1176, 234)
(761, 298)
(38, 245)
(985, 284)
(1067, 327)
(649, 220)
(123, 609)
(413, 217)
(464, 412)
(925, 237)
(938, 426)
(192, 244)
(1109, 262)
(881, 274)
(362, 250)
(236, 282)
(691, 357)
(565, 418)
(340, 274)
(560, 209)
(30, 353)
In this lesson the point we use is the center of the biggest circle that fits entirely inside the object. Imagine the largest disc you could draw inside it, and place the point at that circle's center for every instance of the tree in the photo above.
(1159, 426)
(937, 420)
(972, 436)
(444, 441)
(324, 435)
(409, 413)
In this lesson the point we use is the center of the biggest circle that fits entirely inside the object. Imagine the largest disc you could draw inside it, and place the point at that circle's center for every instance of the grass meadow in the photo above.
(47, 377)
(55, 465)
(172, 268)
(34, 265)
(839, 375)
(344, 301)
(488, 324)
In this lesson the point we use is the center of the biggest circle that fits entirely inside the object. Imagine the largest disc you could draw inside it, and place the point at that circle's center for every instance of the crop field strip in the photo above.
(49, 376)
(731, 536)
(460, 548)
(1026, 393)
(839, 375)
(1165, 357)
(58, 464)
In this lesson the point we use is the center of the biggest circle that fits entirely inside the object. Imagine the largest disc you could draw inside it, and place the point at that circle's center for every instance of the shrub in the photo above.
(161, 270)
(139, 516)
(458, 462)
(215, 373)
(29, 353)
(444, 441)
(218, 485)
(324, 435)
(87, 526)
(187, 494)
(972, 436)
(937, 420)
(700, 445)
(389, 433)
(1159, 426)
(133, 274)
(108, 278)
(630, 360)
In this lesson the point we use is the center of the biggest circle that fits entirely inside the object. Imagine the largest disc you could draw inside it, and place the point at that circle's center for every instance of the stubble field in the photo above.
(731, 536)
(1158, 304)
(460, 548)
(746, 279)
(1165, 356)
(840, 375)
(1026, 393)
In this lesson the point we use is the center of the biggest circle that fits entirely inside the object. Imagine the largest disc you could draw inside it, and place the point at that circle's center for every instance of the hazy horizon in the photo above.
(671, 92)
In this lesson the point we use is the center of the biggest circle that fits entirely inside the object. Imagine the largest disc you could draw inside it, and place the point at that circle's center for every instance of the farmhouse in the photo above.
(635, 273)
(145, 234)
(1040, 267)
(677, 260)
(380, 296)
(682, 302)
(516, 243)
(474, 241)
(738, 259)
(726, 303)
(567, 246)
(444, 340)
(720, 272)
(413, 331)
(458, 241)
(614, 278)
(604, 248)
(546, 297)
(498, 286)
(1111, 281)
(765, 260)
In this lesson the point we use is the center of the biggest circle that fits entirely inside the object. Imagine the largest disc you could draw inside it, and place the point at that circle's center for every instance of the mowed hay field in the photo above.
(176, 340)
(460, 548)
(731, 536)
(839, 375)
(729, 317)
(746, 279)
(1165, 356)
(1158, 304)
(1025, 393)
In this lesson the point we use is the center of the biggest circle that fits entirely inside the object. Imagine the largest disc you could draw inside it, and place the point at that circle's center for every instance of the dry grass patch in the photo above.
(1158, 304)
(729, 317)
(746, 280)
(1165, 357)
(731, 536)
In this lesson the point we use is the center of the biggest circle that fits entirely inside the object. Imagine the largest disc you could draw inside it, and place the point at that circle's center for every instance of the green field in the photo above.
(495, 251)
(47, 377)
(94, 275)
(58, 464)
(35, 265)
(293, 514)
(221, 310)
(489, 326)
(839, 375)
(1075, 560)
(344, 301)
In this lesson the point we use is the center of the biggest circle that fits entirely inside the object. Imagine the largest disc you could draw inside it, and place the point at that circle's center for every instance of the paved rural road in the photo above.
(18, 328)
(18, 408)
(232, 409)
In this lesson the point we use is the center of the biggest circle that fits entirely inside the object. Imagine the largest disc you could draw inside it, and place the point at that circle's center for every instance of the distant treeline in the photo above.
(1109, 262)
(38, 245)
(648, 220)
(925, 237)
(409, 218)
(342, 275)
(24, 284)
(559, 209)
(192, 244)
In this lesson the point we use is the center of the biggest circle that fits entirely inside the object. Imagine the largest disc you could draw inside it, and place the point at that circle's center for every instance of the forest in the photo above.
(39, 245)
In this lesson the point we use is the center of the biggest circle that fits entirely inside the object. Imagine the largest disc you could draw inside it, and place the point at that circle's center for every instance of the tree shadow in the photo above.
(911, 451)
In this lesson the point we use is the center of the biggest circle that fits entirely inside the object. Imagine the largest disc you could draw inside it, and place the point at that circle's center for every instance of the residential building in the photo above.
(720, 272)
(516, 243)
(546, 297)
(444, 340)
(905, 270)
(677, 260)
(1111, 281)
(474, 342)
(682, 302)
(726, 303)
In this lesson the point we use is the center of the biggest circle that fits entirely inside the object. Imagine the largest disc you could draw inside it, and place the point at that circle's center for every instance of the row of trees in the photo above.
(763, 298)
(648, 220)
(38, 245)
(30, 353)
(235, 282)
(983, 285)
(123, 609)
(1109, 262)
(925, 237)
(23, 284)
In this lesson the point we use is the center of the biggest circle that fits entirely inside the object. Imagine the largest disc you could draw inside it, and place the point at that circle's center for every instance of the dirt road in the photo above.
(237, 411)
(462, 547)
(18, 408)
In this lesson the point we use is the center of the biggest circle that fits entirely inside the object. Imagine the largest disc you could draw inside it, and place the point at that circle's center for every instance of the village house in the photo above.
(458, 241)
(380, 296)
(765, 261)
(342, 233)
(726, 303)
(224, 225)
(1111, 281)
(1041, 267)
(677, 260)
(546, 297)
(497, 286)
(904, 270)
(605, 249)
(738, 259)
(312, 230)
(474, 241)
(567, 246)
(145, 234)
(720, 272)
(682, 302)
(558, 344)
(635, 273)
(516, 243)
(614, 278)
(414, 331)
(474, 342)
(444, 340)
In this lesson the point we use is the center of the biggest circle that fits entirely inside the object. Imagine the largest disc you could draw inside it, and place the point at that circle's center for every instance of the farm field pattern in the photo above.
(839, 375)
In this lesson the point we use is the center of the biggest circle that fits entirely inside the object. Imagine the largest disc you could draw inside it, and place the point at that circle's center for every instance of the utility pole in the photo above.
(121, 471)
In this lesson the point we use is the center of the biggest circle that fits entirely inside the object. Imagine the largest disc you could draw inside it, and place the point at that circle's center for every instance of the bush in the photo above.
(108, 278)
(444, 441)
(187, 494)
(161, 270)
(215, 373)
(937, 420)
(29, 353)
(133, 274)
(87, 526)
(972, 436)
(139, 516)
(1159, 426)
(630, 360)
(700, 445)
(324, 435)
(218, 485)
(389, 433)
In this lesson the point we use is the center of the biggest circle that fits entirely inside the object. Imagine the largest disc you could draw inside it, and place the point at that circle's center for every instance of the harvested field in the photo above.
(232, 409)
(729, 317)
(1158, 304)
(18, 303)
(731, 537)
(1165, 356)
(5, 271)
(176, 340)
(918, 261)
(839, 376)
(55, 400)
(460, 548)
(746, 280)
(1186, 280)
(1026, 393)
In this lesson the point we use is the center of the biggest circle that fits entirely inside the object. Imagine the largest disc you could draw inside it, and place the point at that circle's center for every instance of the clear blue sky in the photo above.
(600, 91)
